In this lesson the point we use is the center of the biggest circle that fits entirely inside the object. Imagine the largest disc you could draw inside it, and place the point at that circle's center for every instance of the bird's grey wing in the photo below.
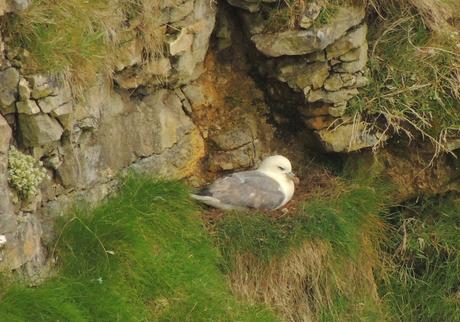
(249, 189)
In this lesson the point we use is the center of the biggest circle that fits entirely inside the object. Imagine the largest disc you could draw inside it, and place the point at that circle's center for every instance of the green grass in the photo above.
(141, 256)
(348, 225)
(337, 221)
(425, 283)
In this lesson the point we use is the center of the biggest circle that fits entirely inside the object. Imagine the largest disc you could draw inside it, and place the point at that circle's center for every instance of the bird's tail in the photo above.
(202, 192)
(198, 197)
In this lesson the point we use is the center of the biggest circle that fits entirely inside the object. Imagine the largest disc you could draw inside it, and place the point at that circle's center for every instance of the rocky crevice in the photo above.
(312, 69)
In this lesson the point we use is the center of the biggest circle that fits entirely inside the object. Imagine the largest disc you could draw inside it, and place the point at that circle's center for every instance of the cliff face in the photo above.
(204, 102)
(84, 143)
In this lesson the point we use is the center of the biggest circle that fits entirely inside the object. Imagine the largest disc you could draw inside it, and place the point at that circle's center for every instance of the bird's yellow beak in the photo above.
(293, 177)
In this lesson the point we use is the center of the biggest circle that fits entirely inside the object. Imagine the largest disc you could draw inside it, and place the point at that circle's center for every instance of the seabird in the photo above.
(268, 187)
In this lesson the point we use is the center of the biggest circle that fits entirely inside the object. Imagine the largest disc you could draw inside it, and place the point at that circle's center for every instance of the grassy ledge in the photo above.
(141, 256)
(318, 263)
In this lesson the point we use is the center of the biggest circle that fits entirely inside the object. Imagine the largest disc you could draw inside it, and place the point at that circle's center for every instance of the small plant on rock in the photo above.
(24, 173)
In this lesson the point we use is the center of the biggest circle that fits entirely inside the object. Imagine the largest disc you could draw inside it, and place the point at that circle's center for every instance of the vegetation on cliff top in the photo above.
(414, 62)
(80, 39)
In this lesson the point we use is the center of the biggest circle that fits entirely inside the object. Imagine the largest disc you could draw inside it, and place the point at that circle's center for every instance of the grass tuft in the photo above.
(71, 37)
(78, 40)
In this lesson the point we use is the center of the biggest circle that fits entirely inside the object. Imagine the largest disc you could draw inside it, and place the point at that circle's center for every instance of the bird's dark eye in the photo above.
(281, 168)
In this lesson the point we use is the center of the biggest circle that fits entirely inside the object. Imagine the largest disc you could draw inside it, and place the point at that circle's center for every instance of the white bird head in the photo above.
(278, 164)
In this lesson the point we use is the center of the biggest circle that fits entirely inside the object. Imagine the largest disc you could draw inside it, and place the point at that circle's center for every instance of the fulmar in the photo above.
(269, 187)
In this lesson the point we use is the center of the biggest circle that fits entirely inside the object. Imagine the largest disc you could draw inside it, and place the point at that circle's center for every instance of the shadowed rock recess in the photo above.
(227, 78)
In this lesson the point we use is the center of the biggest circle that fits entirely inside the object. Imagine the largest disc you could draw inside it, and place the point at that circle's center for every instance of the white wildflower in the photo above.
(24, 173)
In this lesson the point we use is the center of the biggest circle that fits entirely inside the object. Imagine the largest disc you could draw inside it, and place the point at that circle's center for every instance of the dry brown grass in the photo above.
(304, 284)
(295, 286)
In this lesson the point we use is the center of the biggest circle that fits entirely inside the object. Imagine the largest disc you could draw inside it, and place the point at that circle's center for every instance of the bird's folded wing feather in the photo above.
(250, 189)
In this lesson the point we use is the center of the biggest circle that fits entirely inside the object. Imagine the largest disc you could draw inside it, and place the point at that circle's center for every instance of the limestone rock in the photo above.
(8, 224)
(151, 73)
(41, 86)
(188, 65)
(24, 89)
(50, 103)
(338, 109)
(27, 107)
(235, 137)
(31, 203)
(182, 43)
(333, 83)
(5, 136)
(351, 40)
(223, 32)
(9, 80)
(62, 110)
(300, 42)
(131, 78)
(194, 94)
(152, 129)
(352, 55)
(354, 66)
(348, 79)
(348, 138)
(331, 97)
(160, 67)
(302, 75)
(242, 157)
(24, 253)
(39, 129)
(178, 162)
